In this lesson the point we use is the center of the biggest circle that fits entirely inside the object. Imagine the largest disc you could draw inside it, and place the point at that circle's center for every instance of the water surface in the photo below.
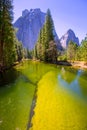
(61, 102)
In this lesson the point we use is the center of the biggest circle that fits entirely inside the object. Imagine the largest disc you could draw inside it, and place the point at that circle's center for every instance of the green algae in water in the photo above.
(16, 94)
(61, 98)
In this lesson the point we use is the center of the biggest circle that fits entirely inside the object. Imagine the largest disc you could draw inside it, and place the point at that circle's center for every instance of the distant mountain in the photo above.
(29, 25)
(68, 36)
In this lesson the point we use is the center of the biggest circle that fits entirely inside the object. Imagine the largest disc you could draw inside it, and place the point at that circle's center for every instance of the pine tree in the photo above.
(37, 46)
(7, 46)
(48, 33)
(45, 37)
(49, 27)
(19, 51)
(35, 52)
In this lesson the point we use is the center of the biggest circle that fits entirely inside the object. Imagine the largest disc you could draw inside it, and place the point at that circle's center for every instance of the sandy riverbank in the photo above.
(81, 64)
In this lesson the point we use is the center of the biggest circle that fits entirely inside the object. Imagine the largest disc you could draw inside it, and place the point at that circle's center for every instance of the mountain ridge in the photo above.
(69, 36)
(29, 25)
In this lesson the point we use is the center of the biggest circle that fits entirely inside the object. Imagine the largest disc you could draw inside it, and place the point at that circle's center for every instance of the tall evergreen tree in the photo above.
(46, 35)
(49, 27)
(7, 47)
(19, 51)
(38, 46)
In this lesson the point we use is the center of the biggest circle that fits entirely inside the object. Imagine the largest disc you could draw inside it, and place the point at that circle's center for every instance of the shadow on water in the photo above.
(26, 79)
(64, 63)
(9, 76)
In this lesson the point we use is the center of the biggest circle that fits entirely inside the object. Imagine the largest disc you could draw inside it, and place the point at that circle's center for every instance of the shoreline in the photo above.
(80, 64)
(75, 64)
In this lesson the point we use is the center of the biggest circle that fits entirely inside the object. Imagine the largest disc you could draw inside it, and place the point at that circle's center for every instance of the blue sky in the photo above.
(65, 13)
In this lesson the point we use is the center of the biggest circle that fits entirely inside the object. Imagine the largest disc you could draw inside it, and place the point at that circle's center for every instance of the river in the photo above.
(61, 102)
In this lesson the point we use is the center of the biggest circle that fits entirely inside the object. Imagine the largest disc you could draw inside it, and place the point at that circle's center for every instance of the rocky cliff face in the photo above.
(29, 25)
(69, 36)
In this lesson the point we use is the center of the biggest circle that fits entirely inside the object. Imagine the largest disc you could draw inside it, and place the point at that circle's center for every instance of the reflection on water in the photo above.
(70, 81)
(9, 76)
